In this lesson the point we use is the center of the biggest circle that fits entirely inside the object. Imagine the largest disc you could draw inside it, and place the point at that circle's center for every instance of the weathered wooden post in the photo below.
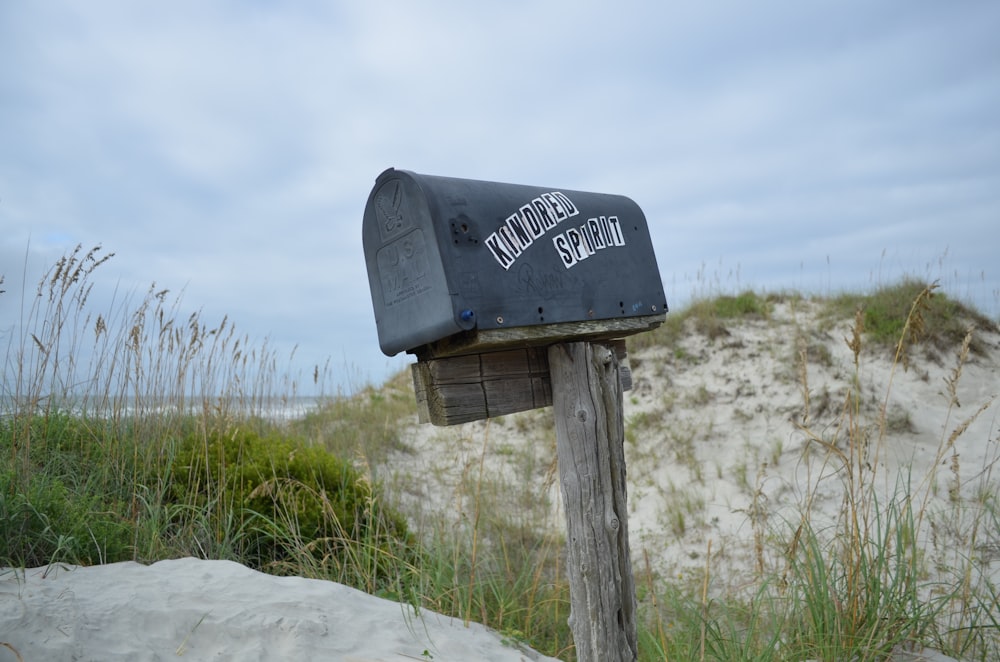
(590, 435)
(516, 297)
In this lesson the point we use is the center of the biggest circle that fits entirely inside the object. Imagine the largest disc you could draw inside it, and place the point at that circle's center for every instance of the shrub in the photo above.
(60, 500)
(285, 505)
(46, 522)
(710, 315)
(929, 317)
(745, 304)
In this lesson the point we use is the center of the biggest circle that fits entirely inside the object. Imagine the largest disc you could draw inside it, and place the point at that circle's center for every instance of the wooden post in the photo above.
(590, 434)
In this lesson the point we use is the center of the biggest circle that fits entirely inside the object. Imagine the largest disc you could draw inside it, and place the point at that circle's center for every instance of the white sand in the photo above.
(218, 610)
(716, 427)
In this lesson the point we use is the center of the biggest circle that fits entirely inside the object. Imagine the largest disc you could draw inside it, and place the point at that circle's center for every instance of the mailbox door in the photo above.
(406, 273)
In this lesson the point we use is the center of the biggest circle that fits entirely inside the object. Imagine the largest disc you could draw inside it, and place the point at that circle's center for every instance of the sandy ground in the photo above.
(718, 429)
(218, 610)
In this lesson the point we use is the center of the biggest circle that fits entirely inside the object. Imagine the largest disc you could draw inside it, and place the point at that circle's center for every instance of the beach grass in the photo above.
(138, 433)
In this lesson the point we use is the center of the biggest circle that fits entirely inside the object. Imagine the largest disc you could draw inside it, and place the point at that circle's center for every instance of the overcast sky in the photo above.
(226, 149)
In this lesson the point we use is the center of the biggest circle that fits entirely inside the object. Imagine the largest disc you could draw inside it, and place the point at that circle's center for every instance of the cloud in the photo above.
(227, 149)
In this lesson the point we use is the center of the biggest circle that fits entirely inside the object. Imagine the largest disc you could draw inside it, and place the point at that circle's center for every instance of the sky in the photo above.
(225, 150)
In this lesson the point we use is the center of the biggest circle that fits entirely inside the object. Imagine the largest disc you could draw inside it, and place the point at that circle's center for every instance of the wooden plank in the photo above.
(420, 388)
(459, 369)
(497, 365)
(470, 388)
(458, 403)
(590, 437)
(480, 341)
(506, 396)
(445, 398)
(462, 389)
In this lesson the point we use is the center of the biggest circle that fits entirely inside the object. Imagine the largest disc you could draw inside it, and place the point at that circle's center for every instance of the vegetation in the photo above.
(939, 322)
(133, 434)
(152, 441)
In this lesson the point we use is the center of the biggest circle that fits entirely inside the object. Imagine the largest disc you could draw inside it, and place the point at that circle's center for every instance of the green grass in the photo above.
(938, 322)
(710, 317)
(109, 451)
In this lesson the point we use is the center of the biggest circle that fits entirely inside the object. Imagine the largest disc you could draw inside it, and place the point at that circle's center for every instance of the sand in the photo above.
(717, 431)
(219, 610)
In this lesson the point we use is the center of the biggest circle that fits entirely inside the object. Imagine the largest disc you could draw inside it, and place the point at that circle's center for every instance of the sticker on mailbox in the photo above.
(528, 223)
(577, 244)
(543, 213)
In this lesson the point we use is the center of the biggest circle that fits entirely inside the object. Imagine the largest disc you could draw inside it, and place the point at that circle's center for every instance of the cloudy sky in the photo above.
(226, 149)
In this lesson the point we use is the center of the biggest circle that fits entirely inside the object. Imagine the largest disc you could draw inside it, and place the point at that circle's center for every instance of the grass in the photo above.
(139, 434)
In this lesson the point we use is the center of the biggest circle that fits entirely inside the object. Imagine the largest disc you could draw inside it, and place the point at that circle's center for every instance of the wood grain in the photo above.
(590, 439)
(462, 389)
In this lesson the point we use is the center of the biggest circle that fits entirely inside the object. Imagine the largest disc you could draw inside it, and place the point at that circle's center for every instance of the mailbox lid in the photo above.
(504, 255)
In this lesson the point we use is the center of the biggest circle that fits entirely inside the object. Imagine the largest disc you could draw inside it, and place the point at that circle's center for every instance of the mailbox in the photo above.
(460, 266)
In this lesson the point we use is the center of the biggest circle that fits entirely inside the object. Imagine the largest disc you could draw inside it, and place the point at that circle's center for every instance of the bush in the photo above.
(60, 500)
(285, 505)
(46, 522)
(929, 317)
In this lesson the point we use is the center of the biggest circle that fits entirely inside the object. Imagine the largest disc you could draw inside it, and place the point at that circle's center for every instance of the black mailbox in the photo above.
(452, 258)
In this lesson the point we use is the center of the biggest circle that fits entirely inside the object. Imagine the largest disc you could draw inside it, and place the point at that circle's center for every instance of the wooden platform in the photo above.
(469, 388)
(540, 335)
